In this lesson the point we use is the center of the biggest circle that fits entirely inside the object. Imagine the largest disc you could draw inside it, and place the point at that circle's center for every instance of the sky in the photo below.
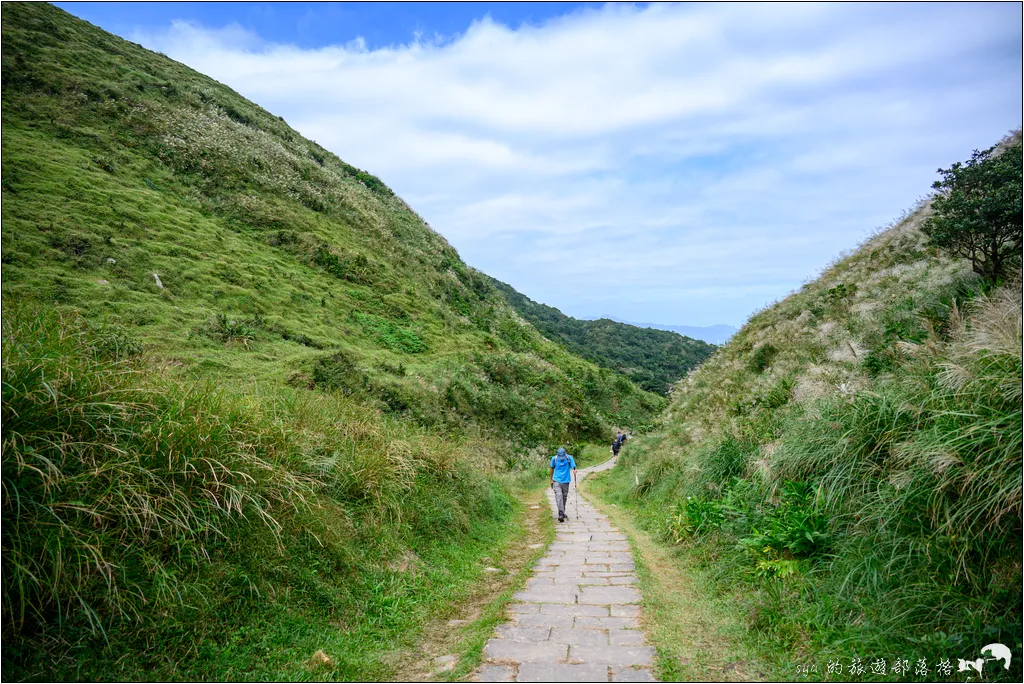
(681, 164)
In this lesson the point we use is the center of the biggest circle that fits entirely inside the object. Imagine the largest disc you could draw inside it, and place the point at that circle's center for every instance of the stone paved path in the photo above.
(577, 619)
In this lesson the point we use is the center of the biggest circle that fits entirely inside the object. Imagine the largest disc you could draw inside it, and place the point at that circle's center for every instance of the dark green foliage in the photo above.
(227, 329)
(762, 357)
(356, 269)
(653, 359)
(390, 334)
(977, 211)
(840, 292)
(794, 527)
(339, 372)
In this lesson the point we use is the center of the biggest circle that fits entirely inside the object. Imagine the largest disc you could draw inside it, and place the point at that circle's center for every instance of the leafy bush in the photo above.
(793, 526)
(390, 334)
(762, 357)
(694, 517)
(339, 372)
(227, 329)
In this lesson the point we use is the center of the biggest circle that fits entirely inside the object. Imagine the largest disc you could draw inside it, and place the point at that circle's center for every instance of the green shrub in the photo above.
(762, 357)
(390, 334)
(339, 372)
(694, 517)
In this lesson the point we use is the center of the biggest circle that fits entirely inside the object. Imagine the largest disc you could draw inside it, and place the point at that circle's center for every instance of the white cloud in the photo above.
(685, 162)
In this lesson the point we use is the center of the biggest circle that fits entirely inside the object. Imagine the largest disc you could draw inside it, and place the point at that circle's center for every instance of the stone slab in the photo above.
(524, 608)
(549, 595)
(561, 571)
(520, 652)
(562, 609)
(580, 637)
(625, 637)
(560, 672)
(540, 582)
(524, 634)
(496, 673)
(595, 580)
(629, 674)
(608, 595)
(587, 622)
(613, 655)
(547, 620)
(625, 611)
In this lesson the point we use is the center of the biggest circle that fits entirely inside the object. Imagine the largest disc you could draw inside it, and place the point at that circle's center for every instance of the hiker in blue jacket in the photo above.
(563, 467)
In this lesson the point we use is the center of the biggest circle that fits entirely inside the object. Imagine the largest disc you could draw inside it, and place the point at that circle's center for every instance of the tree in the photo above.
(976, 213)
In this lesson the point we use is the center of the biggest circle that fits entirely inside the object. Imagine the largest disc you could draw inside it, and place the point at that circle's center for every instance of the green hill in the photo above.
(248, 394)
(653, 359)
(848, 466)
(146, 195)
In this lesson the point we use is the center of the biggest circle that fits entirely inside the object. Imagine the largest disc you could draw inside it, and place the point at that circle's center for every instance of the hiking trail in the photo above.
(578, 618)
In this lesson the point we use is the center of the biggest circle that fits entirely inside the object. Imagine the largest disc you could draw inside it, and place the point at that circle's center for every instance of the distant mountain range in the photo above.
(715, 334)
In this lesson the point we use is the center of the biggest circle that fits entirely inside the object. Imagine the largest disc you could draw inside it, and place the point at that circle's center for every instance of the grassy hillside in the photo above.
(849, 465)
(653, 359)
(253, 405)
(277, 262)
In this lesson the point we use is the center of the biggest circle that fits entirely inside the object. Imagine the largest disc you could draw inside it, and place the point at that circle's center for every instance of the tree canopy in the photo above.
(977, 211)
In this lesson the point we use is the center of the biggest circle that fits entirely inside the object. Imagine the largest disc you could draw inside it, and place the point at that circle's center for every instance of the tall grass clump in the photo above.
(879, 519)
(167, 521)
(111, 487)
(920, 477)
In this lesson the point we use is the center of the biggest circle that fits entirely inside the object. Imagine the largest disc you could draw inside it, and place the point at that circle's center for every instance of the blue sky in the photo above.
(680, 164)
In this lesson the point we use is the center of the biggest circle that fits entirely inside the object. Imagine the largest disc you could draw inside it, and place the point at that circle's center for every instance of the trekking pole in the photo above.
(577, 488)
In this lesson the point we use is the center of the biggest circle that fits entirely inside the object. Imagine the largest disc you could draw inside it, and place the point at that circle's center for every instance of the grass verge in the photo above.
(484, 608)
(697, 636)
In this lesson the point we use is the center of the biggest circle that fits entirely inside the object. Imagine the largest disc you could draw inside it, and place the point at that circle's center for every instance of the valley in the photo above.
(262, 422)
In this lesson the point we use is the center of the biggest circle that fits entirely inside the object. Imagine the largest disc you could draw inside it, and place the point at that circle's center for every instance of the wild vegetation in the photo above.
(653, 359)
(848, 468)
(158, 528)
(252, 405)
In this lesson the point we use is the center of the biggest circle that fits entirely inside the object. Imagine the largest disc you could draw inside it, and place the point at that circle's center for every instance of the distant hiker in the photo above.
(617, 444)
(563, 466)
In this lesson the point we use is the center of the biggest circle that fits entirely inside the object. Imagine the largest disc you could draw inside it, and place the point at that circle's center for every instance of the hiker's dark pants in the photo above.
(561, 496)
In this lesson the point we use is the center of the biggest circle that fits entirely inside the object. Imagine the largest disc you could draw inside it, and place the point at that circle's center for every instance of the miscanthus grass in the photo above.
(196, 529)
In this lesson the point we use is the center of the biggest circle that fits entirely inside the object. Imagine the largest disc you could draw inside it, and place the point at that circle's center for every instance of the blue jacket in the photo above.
(563, 463)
